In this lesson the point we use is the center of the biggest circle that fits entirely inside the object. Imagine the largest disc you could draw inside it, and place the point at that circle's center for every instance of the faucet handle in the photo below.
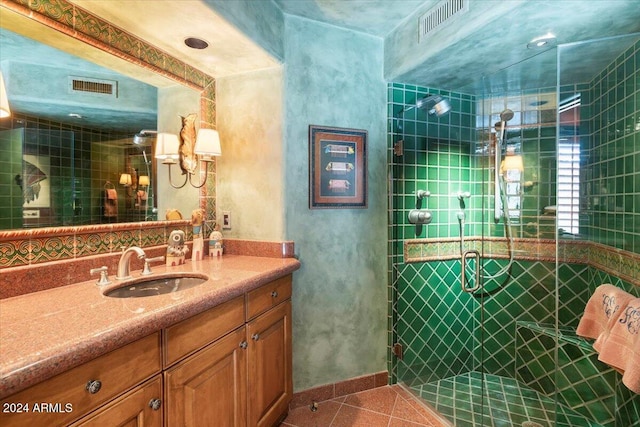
(146, 270)
(104, 275)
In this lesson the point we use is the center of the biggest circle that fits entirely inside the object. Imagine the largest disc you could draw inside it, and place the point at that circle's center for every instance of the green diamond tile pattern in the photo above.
(436, 322)
(581, 382)
(474, 400)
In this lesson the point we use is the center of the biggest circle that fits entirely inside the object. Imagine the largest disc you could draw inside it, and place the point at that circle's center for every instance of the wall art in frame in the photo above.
(337, 168)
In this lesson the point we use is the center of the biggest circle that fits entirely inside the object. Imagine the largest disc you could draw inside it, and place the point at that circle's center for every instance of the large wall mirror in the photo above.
(78, 148)
(77, 155)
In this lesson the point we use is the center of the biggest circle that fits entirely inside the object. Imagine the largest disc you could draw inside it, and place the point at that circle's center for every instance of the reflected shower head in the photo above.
(506, 115)
(434, 104)
(144, 135)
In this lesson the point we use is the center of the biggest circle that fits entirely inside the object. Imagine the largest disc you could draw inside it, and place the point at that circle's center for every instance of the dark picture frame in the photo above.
(337, 168)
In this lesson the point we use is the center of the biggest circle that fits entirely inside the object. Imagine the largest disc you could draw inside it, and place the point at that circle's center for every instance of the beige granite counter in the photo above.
(48, 332)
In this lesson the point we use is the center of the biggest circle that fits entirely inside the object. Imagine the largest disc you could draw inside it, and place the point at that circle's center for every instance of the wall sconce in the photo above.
(207, 146)
(5, 111)
(125, 179)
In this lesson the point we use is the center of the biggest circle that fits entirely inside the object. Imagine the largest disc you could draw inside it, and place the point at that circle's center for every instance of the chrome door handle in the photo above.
(463, 273)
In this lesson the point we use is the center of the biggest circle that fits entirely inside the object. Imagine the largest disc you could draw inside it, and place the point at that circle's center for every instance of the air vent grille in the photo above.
(440, 15)
(90, 85)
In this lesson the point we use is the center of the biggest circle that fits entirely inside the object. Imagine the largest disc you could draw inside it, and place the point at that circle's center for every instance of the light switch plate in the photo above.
(226, 220)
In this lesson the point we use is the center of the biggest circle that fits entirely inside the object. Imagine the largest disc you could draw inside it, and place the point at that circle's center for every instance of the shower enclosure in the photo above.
(544, 220)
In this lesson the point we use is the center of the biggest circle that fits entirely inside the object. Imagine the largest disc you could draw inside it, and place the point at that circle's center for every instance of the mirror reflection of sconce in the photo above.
(206, 147)
(125, 179)
(512, 162)
(143, 181)
(5, 111)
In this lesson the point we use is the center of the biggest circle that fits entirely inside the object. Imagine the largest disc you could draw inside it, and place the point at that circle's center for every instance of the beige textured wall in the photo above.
(249, 110)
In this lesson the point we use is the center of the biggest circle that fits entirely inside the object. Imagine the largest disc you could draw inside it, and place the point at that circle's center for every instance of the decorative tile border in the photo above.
(618, 262)
(39, 245)
(80, 24)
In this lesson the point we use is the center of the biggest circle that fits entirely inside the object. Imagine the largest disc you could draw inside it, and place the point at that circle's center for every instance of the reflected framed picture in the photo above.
(337, 168)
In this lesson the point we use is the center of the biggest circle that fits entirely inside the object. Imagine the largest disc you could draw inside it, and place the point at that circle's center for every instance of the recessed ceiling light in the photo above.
(546, 41)
(196, 43)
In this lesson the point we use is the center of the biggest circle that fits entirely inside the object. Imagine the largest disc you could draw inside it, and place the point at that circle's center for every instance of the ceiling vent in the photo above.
(439, 16)
(97, 86)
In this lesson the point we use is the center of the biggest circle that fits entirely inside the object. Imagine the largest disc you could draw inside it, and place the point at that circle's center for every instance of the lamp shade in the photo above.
(207, 144)
(167, 145)
(4, 101)
(143, 181)
(513, 162)
(125, 179)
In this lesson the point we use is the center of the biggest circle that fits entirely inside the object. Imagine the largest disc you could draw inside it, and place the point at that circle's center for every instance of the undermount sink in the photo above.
(151, 286)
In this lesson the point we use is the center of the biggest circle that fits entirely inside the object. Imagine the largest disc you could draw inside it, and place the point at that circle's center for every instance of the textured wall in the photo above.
(250, 171)
(333, 77)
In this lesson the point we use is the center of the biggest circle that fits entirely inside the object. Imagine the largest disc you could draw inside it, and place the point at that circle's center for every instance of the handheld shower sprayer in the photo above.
(505, 116)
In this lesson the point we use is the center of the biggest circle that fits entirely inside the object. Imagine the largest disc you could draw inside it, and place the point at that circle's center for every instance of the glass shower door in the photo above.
(436, 333)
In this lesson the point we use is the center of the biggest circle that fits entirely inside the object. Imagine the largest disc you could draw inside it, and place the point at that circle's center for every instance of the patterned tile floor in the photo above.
(507, 403)
(388, 406)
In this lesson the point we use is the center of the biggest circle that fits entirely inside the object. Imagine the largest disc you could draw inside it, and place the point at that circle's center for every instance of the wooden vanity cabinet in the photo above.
(228, 366)
(241, 379)
(270, 362)
(141, 407)
(74, 393)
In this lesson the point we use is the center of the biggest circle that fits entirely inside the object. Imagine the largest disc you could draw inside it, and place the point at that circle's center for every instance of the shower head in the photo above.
(434, 104)
(142, 136)
(506, 115)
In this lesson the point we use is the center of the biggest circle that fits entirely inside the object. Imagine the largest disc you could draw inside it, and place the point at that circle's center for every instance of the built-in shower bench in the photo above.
(583, 383)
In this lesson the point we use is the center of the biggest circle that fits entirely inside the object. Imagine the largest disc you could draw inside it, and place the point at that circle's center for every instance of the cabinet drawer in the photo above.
(141, 407)
(268, 296)
(67, 396)
(196, 332)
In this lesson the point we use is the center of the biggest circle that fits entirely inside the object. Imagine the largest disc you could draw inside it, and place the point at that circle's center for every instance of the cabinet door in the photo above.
(209, 388)
(142, 407)
(270, 357)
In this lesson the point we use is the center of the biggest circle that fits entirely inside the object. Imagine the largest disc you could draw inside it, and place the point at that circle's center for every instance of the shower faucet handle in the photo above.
(421, 194)
(463, 195)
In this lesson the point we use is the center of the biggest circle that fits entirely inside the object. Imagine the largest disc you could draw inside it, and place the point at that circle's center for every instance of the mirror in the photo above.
(72, 135)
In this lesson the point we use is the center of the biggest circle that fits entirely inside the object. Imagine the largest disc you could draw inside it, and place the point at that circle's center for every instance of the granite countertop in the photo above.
(45, 333)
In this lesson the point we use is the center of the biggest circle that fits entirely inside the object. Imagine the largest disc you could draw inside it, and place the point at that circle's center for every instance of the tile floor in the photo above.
(387, 406)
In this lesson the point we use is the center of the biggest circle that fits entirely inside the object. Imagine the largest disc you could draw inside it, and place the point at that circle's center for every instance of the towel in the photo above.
(110, 203)
(621, 348)
(112, 194)
(601, 312)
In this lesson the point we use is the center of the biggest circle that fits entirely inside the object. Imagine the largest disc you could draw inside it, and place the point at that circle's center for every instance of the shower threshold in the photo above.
(507, 403)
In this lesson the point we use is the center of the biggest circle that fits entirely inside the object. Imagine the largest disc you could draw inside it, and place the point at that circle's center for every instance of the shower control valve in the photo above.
(421, 194)
(420, 216)
(463, 195)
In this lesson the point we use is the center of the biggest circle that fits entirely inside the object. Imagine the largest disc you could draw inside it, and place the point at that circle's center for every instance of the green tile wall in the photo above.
(613, 162)
(81, 160)
(436, 158)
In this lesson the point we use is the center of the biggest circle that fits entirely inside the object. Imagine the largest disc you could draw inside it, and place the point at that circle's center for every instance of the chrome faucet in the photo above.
(125, 260)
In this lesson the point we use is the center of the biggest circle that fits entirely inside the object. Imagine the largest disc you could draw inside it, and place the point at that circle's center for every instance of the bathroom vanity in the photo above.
(215, 354)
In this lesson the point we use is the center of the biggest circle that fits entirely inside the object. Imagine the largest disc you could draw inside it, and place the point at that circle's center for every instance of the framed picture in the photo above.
(337, 167)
